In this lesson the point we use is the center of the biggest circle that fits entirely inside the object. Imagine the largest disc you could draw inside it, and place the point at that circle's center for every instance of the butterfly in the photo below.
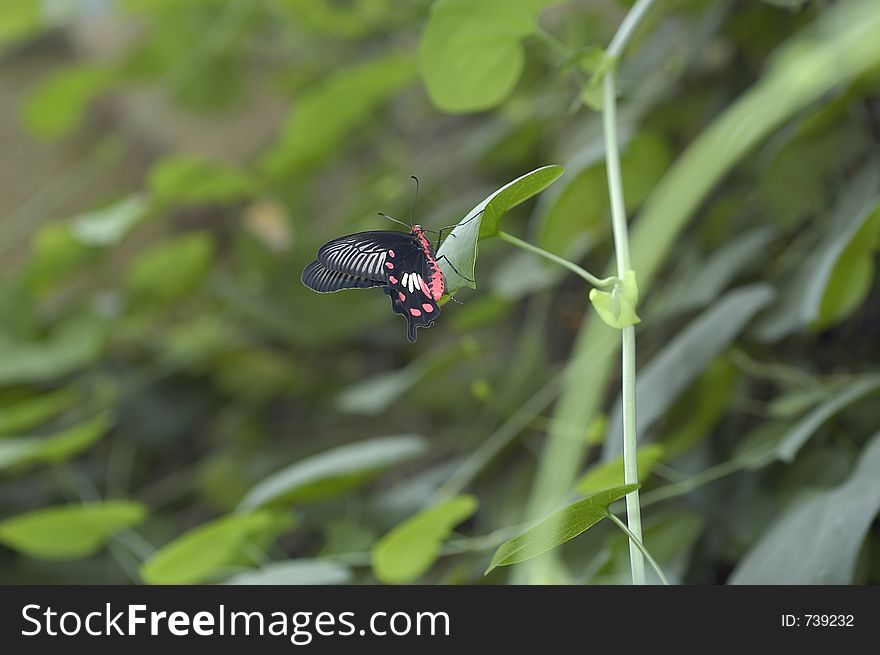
(404, 264)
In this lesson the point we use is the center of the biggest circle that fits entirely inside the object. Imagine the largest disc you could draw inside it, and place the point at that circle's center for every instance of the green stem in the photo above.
(638, 542)
(601, 283)
(489, 449)
(621, 249)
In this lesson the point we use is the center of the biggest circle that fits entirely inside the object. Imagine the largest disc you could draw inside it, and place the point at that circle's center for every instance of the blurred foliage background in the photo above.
(176, 407)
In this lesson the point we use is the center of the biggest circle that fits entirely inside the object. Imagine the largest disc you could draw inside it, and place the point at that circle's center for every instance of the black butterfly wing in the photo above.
(364, 254)
(318, 277)
(408, 281)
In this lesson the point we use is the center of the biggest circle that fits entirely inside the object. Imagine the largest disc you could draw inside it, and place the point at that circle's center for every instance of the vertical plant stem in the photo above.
(638, 542)
(621, 250)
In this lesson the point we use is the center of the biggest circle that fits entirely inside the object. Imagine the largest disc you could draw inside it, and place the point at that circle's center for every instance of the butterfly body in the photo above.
(404, 264)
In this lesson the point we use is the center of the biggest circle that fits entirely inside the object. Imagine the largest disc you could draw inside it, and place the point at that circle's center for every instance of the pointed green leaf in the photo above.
(411, 548)
(561, 526)
(333, 471)
(460, 246)
(69, 531)
(203, 552)
(610, 474)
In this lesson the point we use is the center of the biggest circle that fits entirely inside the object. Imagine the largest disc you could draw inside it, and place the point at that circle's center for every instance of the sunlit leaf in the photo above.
(471, 54)
(204, 551)
(333, 471)
(59, 104)
(561, 526)
(610, 474)
(817, 539)
(69, 531)
(21, 19)
(411, 548)
(460, 246)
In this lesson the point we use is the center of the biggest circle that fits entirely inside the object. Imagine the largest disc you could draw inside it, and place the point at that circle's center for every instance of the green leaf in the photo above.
(323, 118)
(375, 394)
(561, 526)
(30, 412)
(59, 104)
(75, 343)
(460, 246)
(109, 225)
(295, 572)
(852, 275)
(618, 306)
(834, 278)
(839, 48)
(795, 439)
(203, 552)
(686, 356)
(610, 474)
(186, 180)
(20, 20)
(411, 548)
(707, 282)
(578, 205)
(333, 471)
(69, 531)
(59, 447)
(56, 255)
(171, 269)
(471, 54)
(817, 539)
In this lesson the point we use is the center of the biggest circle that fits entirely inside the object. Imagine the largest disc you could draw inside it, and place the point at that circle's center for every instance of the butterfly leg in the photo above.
(442, 257)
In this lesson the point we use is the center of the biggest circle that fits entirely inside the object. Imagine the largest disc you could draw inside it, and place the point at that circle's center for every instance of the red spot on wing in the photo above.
(428, 308)
(391, 253)
(392, 279)
(401, 295)
(389, 265)
(415, 312)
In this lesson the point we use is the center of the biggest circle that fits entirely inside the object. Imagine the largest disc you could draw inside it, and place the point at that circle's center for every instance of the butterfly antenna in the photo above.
(415, 197)
(391, 218)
